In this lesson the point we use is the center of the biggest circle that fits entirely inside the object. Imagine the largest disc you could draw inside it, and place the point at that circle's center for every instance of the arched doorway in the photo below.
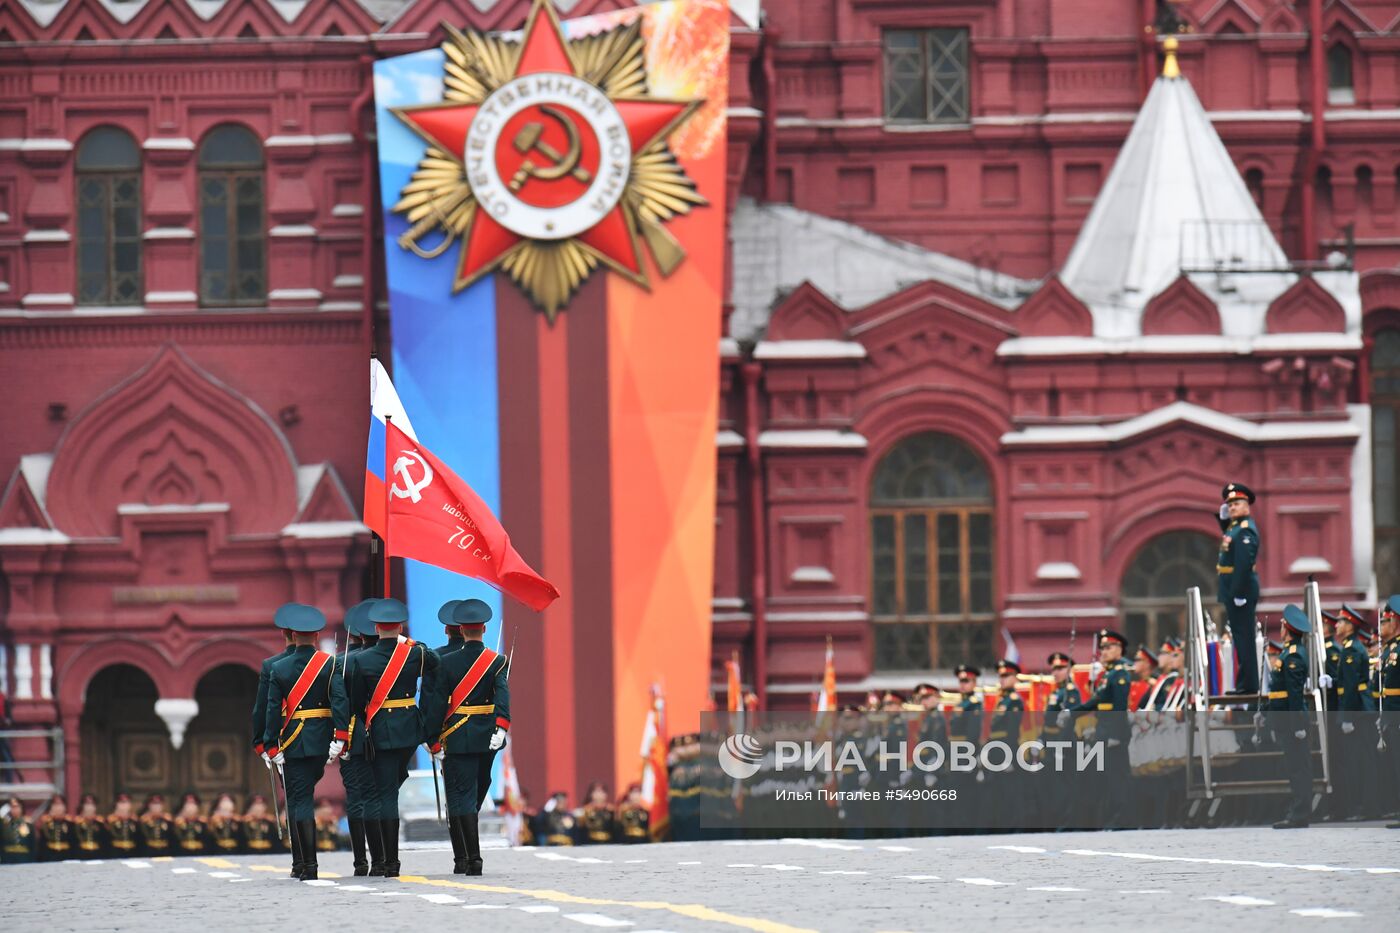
(1385, 428)
(217, 755)
(932, 545)
(126, 747)
(1153, 592)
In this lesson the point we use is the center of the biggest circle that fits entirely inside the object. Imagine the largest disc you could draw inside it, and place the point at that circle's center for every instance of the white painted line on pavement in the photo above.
(136, 863)
(779, 866)
(1055, 887)
(320, 883)
(539, 909)
(1145, 891)
(1239, 900)
(182, 871)
(356, 887)
(634, 861)
(743, 865)
(598, 920)
(822, 844)
(1324, 912)
(484, 907)
(238, 880)
(560, 857)
(690, 863)
(393, 894)
(897, 849)
(234, 874)
(919, 877)
(440, 898)
(842, 871)
(1247, 863)
(1028, 850)
(984, 882)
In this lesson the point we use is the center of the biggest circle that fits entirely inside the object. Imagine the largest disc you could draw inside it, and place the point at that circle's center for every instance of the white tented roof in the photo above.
(1175, 203)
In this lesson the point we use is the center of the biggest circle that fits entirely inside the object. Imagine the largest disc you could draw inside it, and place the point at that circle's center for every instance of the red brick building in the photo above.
(938, 424)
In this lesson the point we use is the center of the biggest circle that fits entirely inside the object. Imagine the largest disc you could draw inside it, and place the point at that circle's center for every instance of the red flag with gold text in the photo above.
(436, 518)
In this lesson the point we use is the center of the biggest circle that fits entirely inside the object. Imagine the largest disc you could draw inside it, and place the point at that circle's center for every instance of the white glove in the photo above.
(1224, 511)
(1114, 743)
(1258, 720)
(279, 759)
(1095, 670)
(498, 738)
(1301, 734)
(266, 760)
(1240, 602)
(1062, 719)
(1326, 681)
(439, 755)
(1348, 728)
(337, 746)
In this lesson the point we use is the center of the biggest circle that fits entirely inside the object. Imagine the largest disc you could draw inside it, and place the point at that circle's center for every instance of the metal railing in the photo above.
(12, 771)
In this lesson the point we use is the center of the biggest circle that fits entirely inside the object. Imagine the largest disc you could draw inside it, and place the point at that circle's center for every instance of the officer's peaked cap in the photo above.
(445, 612)
(357, 619)
(471, 612)
(1296, 619)
(306, 619)
(388, 612)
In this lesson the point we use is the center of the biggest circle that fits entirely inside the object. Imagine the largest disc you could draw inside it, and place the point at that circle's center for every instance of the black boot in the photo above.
(473, 840)
(374, 841)
(389, 829)
(295, 844)
(306, 832)
(459, 845)
(357, 843)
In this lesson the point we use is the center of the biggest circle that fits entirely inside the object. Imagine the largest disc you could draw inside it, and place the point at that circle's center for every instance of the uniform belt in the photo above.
(1219, 568)
(405, 703)
(323, 713)
(1391, 692)
(474, 710)
(1278, 694)
(1108, 706)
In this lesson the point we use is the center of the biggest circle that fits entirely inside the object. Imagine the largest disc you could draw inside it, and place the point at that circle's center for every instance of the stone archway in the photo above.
(126, 746)
(217, 756)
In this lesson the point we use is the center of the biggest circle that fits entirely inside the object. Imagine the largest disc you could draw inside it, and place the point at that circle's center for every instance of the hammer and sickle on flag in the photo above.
(411, 489)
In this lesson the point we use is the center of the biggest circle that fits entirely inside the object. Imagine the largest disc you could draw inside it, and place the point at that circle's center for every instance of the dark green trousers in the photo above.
(303, 774)
(359, 785)
(466, 778)
(388, 771)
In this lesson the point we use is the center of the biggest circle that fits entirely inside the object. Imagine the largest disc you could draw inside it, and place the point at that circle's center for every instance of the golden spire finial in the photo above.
(1170, 69)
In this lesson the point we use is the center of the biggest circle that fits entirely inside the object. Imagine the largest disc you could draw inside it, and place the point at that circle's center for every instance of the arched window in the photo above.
(1340, 87)
(931, 555)
(1154, 587)
(232, 248)
(109, 218)
(1385, 427)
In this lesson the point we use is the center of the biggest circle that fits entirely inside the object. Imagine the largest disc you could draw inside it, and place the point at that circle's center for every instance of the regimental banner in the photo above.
(554, 237)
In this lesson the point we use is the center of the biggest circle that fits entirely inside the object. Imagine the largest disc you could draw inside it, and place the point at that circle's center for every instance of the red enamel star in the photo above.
(613, 239)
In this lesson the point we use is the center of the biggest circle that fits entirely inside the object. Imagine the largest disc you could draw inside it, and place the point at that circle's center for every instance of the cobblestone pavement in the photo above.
(1334, 878)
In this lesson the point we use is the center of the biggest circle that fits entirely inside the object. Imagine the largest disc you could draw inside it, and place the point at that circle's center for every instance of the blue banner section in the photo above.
(444, 356)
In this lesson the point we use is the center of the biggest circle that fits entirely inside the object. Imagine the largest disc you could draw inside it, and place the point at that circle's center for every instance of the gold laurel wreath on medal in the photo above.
(439, 199)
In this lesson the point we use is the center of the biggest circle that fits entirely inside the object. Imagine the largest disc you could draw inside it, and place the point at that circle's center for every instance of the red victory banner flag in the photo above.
(436, 518)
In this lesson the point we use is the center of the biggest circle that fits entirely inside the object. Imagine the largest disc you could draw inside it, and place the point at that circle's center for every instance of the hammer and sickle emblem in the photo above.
(412, 489)
(560, 163)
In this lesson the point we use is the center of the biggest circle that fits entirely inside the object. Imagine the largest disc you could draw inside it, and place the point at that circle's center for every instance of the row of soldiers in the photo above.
(370, 707)
(58, 834)
(597, 822)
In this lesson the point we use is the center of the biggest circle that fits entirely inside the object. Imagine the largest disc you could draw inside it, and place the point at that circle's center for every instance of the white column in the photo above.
(4, 670)
(46, 672)
(24, 674)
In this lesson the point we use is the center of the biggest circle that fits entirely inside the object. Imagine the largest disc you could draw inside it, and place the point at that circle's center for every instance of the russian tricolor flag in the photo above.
(383, 403)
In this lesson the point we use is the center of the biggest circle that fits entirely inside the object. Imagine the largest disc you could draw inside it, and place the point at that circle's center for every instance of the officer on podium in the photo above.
(383, 684)
(466, 720)
(308, 721)
(1238, 589)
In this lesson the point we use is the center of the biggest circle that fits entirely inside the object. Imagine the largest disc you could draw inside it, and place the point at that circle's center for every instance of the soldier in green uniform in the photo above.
(933, 728)
(1289, 724)
(1006, 727)
(327, 832)
(383, 684)
(597, 820)
(123, 831)
(455, 641)
(89, 829)
(1110, 702)
(965, 725)
(1388, 699)
(308, 721)
(225, 829)
(55, 832)
(1332, 668)
(189, 827)
(633, 820)
(154, 826)
(1355, 711)
(1057, 783)
(1238, 589)
(260, 739)
(466, 716)
(354, 767)
(16, 834)
(260, 833)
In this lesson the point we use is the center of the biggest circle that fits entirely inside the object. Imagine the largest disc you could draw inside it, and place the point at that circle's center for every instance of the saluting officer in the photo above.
(16, 834)
(1292, 729)
(384, 680)
(1238, 589)
(354, 768)
(466, 718)
(308, 720)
